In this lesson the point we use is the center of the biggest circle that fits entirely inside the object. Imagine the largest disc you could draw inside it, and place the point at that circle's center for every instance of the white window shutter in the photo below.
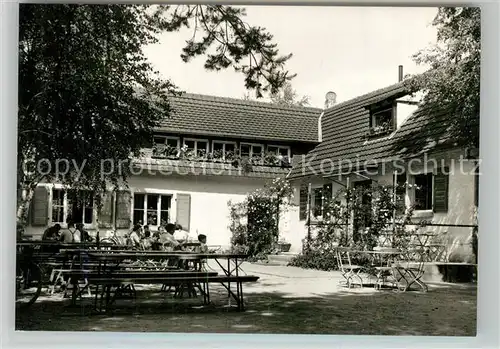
(184, 211)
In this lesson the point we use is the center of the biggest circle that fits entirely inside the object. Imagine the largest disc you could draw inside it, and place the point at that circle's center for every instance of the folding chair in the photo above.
(410, 270)
(349, 271)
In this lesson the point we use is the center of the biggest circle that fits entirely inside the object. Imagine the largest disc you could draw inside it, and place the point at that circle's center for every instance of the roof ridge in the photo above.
(369, 95)
(249, 103)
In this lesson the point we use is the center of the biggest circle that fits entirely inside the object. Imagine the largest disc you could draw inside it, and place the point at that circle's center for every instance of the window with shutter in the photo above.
(40, 207)
(441, 183)
(184, 210)
(106, 214)
(303, 202)
(123, 209)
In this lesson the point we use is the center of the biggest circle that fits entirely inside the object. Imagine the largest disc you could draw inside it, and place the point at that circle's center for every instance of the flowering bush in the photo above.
(356, 217)
(255, 221)
(231, 157)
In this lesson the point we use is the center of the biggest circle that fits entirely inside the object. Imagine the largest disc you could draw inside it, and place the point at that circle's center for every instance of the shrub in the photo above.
(255, 221)
(315, 259)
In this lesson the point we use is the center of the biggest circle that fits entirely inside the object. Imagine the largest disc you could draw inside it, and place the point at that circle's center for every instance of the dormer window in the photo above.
(382, 119)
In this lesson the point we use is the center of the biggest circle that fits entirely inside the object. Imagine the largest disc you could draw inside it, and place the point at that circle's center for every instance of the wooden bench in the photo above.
(201, 279)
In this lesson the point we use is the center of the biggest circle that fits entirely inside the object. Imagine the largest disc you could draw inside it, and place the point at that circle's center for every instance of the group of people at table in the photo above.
(168, 237)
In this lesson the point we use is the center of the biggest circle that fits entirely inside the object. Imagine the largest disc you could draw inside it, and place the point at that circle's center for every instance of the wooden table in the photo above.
(115, 258)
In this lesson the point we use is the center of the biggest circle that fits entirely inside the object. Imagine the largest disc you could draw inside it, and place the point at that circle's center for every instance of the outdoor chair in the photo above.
(384, 268)
(409, 269)
(349, 271)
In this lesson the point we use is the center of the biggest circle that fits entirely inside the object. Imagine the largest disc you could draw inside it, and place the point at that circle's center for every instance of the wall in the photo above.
(209, 198)
(460, 203)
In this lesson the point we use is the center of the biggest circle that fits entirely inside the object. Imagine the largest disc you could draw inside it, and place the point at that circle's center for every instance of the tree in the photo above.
(452, 83)
(89, 100)
(288, 97)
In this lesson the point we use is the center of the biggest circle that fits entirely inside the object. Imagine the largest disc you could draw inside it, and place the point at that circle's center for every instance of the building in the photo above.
(211, 150)
(385, 137)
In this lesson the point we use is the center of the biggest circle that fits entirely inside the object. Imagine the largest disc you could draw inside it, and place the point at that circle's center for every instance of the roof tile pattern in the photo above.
(345, 124)
(218, 116)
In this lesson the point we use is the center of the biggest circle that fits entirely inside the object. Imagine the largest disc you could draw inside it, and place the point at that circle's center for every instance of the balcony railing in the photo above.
(218, 156)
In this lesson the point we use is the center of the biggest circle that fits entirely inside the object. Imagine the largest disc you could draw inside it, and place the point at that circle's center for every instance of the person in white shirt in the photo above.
(71, 234)
(134, 237)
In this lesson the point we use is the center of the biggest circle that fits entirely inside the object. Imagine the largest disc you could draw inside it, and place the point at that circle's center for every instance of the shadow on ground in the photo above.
(446, 310)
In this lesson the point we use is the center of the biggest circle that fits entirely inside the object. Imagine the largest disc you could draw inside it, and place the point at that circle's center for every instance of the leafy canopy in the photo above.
(452, 83)
(87, 93)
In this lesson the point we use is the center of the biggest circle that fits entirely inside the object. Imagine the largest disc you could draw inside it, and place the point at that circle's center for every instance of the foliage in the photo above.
(174, 153)
(255, 221)
(287, 96)
(89, 100)
(356, 217)
(315, 259)
(248, 49)
(452, 84)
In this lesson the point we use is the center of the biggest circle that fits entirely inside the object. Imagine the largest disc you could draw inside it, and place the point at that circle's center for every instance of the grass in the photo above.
(446, 310)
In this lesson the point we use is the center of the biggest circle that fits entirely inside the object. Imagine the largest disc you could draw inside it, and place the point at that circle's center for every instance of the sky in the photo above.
(347, 50)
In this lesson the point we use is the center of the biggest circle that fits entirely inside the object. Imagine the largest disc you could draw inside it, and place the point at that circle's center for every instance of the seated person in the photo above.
(85, 236)
(169, 239)
(146, 242)
(183, 235)
(70, 235)
(203, 248)
(52, 233)
(134, 237)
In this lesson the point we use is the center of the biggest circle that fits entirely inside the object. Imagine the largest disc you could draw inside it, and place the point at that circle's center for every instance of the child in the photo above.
(203, 248)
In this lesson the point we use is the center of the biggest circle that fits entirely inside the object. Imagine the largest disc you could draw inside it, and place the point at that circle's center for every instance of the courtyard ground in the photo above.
(285, 300)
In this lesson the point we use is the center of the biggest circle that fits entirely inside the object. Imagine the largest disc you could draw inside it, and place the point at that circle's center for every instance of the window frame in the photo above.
(251, 156)
(166, 138)
(65, 208)
(312, 201)
(224, 147)
(413, 193)
(287, 147)
(145, 209)
(376, 110)
(196, 140)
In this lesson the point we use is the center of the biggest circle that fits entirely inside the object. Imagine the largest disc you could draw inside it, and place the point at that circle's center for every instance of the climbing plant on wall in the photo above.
(254, 223)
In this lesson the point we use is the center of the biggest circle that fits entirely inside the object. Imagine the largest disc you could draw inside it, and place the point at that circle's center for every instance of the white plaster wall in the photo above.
(209, 198)
(460, 203)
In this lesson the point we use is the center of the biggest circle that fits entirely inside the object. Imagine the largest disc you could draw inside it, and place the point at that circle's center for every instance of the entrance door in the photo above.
(363, 208)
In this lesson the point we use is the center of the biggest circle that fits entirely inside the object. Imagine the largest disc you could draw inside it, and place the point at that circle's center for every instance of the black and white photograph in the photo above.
(210, 168)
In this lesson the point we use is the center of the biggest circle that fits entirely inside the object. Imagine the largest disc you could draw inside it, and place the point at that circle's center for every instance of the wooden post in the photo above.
(348, 214)
(309, 193)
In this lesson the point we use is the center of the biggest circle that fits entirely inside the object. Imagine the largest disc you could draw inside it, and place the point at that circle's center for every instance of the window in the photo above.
(253, 151)
(151, 209)
(317, 202)
(166, 146)
(224, 150)
(382, 119)
(72, 205)
(423, 191)
(196, 147)
(320, 197)
(279, 150)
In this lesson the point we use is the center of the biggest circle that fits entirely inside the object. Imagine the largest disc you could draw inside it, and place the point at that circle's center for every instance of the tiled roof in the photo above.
(345, 124)
(218, 116)
(168, 167)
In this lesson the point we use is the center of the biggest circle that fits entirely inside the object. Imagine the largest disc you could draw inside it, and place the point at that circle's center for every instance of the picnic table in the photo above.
(112, 279)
